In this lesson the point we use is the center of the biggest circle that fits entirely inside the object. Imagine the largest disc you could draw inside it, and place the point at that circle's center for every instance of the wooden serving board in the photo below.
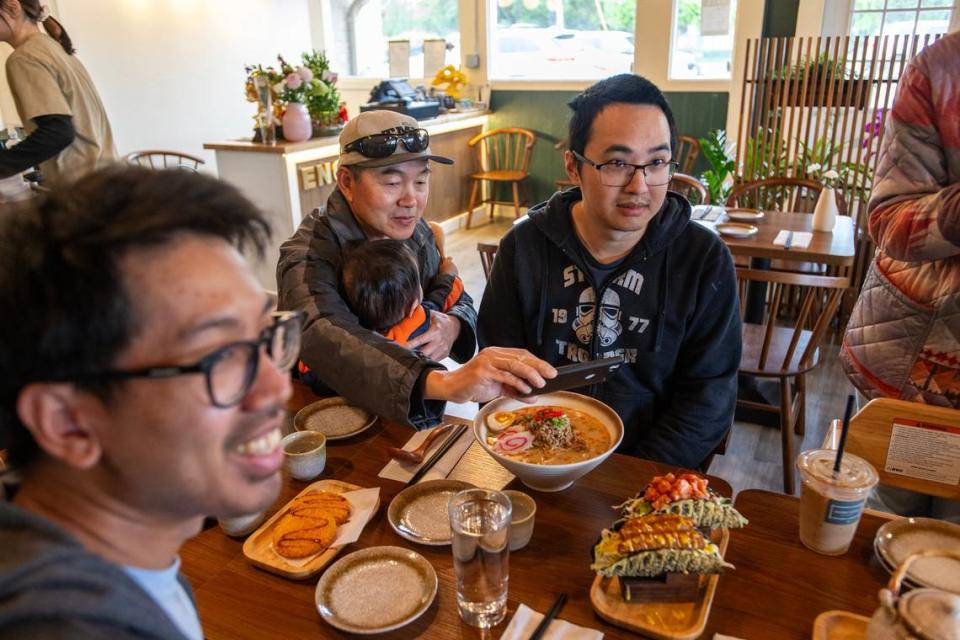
(840, 625)
(666, 620)
(258, 548)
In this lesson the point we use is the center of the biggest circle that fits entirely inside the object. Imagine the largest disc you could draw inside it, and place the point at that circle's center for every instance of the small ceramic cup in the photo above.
(305, 454)
(241, 525)
(521, 519)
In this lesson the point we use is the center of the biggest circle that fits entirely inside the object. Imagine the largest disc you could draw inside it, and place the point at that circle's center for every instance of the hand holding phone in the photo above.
(580, 374)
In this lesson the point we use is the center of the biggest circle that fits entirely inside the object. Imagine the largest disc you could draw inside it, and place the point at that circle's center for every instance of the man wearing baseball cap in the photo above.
(383, 180)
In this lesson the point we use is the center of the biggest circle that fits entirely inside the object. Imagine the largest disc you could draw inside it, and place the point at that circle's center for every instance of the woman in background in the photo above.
(69, 133)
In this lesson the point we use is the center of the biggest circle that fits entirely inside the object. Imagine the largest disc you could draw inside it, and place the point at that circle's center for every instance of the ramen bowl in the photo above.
(551, 477)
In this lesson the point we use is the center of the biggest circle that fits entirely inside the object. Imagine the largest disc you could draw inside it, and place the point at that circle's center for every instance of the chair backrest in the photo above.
(780, 194)
(487, 253)
(872, 428)
(788, 346)
(688, 150)
(691, 188)
(156, 159)
(505, 149)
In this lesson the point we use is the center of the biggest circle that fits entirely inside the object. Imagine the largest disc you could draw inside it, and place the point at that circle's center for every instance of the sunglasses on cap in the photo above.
(381, 145)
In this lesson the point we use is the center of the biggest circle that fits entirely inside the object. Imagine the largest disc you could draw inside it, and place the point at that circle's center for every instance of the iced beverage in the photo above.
(830, 505)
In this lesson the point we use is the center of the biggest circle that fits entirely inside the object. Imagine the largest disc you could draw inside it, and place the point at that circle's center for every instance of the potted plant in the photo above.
(818, 82)
(327, 112)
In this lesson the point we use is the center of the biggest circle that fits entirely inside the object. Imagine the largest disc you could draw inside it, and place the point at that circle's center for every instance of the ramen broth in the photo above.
(591, 431)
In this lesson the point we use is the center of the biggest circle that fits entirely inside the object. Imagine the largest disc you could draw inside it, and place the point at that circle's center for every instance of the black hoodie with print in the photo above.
(670, 308)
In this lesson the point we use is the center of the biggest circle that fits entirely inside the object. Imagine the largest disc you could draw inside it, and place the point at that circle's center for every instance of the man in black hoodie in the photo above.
(614, 266)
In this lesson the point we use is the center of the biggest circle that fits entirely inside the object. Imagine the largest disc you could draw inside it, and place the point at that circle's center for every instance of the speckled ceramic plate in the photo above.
(375, 590)
(737, 229)
(744, 215)
(419, 513)
(334, 418)
(898, 539)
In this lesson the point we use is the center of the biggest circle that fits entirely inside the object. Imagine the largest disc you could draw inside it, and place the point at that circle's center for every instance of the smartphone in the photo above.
(580, 374)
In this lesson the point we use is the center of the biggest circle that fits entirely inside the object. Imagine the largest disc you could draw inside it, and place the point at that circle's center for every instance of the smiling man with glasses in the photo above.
(383, 180)
(143, 385)
(614, 267)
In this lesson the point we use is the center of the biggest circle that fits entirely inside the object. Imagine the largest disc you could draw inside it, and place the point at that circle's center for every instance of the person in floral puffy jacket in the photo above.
(903, 339)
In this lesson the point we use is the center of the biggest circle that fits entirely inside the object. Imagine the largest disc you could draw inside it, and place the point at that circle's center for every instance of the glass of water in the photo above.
(480, 521)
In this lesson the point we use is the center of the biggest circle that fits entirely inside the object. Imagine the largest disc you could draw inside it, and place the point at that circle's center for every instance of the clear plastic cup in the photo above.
(831, 505)
(480, 522)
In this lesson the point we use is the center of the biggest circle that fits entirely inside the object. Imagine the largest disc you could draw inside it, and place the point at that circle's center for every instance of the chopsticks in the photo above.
(432, 460)
(547, 619)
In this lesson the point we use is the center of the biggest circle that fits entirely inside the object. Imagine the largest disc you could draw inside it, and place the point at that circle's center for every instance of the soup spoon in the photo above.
(417, 454)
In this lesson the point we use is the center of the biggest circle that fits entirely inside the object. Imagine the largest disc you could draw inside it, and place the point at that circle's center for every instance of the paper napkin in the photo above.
(801, 239)
(525, 620)
(403, 471)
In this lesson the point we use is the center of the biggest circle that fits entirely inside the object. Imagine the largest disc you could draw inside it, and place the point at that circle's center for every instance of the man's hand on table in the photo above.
(493, 372)
(437, 341)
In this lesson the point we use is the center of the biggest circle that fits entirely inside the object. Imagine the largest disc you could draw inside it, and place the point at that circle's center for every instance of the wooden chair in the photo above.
(778, 193)
(487, 253)
(688, 150)
(165, 160)
(787, 353)
(690, 188)
(505, 154)
(869, 438)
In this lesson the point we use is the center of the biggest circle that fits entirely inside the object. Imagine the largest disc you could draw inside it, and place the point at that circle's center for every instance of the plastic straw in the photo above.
(843, 434)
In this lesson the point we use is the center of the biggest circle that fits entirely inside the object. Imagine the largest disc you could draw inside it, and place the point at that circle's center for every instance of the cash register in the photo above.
(397, 95)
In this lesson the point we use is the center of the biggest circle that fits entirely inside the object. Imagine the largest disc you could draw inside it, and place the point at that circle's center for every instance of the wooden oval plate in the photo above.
(258, 548)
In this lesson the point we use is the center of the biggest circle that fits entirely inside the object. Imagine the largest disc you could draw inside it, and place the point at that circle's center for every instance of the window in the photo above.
(367, 26)
(562, 39)
(702, 44)
(900, 17)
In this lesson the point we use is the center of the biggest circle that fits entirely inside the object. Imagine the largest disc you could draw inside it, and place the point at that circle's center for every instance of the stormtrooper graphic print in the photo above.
(599, 330)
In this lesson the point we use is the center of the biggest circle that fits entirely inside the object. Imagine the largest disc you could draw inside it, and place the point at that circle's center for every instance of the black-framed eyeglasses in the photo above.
(381, 145)
(230, 370)
(617, 173)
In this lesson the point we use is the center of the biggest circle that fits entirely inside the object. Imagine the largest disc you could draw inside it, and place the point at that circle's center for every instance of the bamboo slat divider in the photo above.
(789, 106)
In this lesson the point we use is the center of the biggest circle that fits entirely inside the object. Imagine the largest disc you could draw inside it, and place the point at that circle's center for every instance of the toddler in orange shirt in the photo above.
(382, 286)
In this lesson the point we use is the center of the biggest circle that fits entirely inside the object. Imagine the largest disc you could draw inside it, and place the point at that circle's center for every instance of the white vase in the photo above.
(296, 123)
(825, 214)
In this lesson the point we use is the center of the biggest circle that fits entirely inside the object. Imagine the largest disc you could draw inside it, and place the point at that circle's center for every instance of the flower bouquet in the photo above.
(303, 98)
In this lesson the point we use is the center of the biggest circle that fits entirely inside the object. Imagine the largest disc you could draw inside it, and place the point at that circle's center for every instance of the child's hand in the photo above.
(447, 267)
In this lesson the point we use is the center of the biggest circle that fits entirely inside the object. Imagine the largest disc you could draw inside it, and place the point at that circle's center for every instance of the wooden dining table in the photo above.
(776, 591)
(834, 248)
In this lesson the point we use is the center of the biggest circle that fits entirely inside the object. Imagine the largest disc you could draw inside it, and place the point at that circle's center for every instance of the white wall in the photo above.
(170, 72)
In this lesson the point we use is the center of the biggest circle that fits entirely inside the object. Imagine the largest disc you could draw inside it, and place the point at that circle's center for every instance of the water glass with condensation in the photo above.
(480, 521)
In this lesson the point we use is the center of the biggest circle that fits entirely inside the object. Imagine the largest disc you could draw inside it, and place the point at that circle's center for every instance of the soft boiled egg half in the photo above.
(497, 422)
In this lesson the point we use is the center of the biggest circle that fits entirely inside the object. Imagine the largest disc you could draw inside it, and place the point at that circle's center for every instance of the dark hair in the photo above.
(382, 282)
(626, 88)
(66, 309)
(32, 9)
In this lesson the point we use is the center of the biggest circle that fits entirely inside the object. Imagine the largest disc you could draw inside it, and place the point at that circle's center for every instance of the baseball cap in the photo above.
(371, 123)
